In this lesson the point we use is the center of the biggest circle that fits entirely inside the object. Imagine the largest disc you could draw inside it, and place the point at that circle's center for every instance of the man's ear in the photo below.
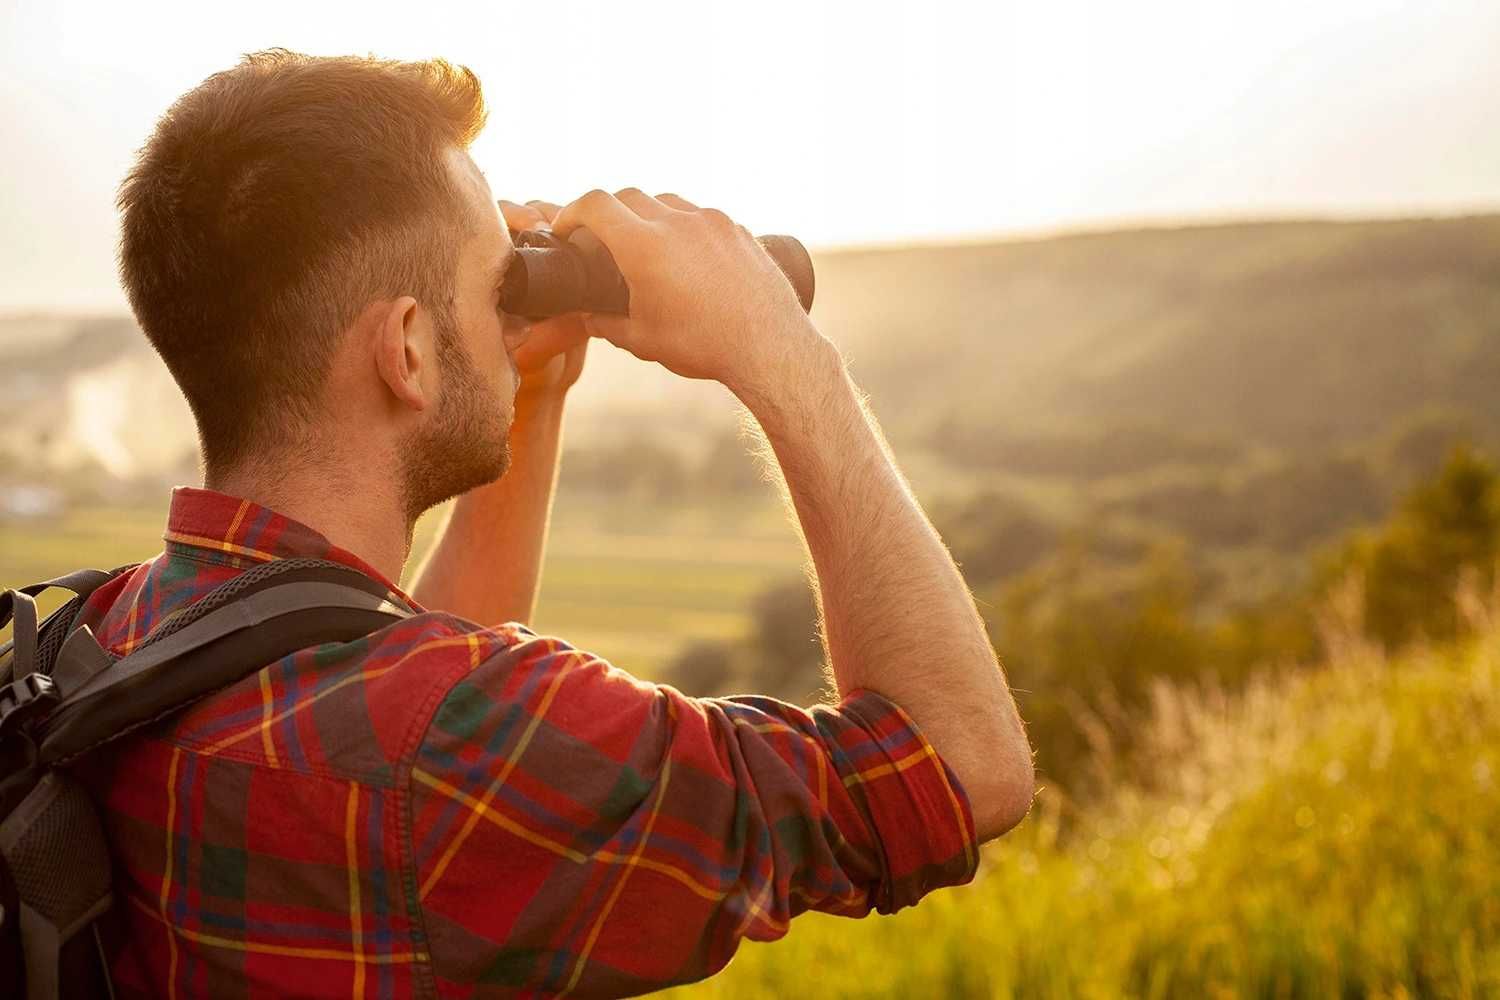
(404, 351)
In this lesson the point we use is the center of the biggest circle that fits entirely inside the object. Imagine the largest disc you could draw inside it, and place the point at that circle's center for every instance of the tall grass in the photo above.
(1327, 834)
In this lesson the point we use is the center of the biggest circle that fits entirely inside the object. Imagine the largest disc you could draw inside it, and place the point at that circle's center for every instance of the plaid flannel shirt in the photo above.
(447, 809)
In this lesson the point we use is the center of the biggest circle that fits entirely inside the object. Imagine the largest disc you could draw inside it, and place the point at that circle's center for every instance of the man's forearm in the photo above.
(487, 561)
(897, 616)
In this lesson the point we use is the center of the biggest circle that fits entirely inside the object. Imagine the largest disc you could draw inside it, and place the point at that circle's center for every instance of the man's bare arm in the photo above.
(897, 617)
(707, 302)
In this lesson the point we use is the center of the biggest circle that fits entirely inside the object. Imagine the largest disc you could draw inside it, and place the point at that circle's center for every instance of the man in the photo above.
(456, 804)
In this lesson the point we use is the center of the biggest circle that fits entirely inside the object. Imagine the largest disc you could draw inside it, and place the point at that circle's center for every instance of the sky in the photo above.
(839, 123)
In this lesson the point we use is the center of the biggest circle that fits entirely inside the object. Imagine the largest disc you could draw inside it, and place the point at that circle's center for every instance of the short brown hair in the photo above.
(272, 203)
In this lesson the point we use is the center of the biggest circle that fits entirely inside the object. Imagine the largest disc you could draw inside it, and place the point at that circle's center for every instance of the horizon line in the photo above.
(1122, 224)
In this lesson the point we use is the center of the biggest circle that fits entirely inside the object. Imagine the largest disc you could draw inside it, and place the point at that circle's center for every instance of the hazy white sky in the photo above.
(836, 122)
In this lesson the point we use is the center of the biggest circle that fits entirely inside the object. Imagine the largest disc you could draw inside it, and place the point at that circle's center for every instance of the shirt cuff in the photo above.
(920, 811)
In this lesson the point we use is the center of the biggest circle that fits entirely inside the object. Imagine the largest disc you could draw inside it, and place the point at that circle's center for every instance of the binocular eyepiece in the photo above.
(550, 276)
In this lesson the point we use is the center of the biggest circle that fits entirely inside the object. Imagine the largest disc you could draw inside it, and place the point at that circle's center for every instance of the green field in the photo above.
(636, 586)
(633, 586)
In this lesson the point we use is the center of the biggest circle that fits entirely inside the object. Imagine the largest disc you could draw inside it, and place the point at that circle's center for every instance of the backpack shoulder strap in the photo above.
(299, 603)
(30, 644)
(82, 582)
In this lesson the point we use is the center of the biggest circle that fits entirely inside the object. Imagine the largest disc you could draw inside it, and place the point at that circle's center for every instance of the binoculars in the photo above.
(550, 276)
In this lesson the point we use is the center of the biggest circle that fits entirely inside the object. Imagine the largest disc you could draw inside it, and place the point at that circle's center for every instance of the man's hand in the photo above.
(549, 354)
(706, 300)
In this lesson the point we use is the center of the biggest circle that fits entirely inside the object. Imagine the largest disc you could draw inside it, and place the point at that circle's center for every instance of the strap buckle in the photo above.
(22, 696)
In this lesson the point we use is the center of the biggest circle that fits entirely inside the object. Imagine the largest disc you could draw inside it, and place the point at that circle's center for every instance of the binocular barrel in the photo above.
(550, 276)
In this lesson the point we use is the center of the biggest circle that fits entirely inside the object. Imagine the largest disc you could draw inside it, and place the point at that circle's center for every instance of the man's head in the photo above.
(313, 254)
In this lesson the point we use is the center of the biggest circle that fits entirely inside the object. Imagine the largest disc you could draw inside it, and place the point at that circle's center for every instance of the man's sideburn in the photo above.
(465, 443)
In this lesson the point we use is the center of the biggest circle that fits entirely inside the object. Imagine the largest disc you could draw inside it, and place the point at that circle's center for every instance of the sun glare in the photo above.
(840, 125)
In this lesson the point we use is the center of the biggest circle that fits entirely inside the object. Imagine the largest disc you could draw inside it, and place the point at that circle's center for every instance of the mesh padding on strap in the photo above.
(230, 589)
(54, 633)
(56, 851)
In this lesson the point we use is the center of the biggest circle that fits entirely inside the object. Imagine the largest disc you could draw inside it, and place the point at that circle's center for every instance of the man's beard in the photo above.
(466, 442)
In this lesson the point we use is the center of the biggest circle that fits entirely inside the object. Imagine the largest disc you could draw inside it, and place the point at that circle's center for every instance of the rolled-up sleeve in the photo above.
(574, 827)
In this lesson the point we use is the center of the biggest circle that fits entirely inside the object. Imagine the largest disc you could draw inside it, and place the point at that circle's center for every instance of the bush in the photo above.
(993, 536)
(1411, 565)
(781, 656)
(1084, 642)
(1083, 649)
(704, 669)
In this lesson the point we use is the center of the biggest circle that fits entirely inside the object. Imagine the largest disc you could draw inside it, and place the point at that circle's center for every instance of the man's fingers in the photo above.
(546, 209)
(642, 204)
(602, 214)
(546, 339)
(522, 216)
(677, 201)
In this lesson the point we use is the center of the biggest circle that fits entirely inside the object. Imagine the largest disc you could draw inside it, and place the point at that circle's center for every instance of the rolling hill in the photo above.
(1293, 335)
(1289, 333)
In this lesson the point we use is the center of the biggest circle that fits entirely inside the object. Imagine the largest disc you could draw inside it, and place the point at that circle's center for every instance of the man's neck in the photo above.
(351, 512)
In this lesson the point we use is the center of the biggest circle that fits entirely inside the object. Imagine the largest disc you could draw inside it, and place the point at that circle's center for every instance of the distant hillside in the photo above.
(1288, 333)
(1298, 335)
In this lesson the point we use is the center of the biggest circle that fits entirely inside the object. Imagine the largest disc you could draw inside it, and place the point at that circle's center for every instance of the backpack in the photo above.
(63, 696)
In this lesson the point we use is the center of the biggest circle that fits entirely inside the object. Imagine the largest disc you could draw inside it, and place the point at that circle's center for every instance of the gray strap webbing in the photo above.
(247, 612)
(23, 636)
(82, 582)
(141, 687)
(80, 658)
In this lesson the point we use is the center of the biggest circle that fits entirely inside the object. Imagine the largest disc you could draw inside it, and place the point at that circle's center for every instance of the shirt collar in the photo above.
(240, 529)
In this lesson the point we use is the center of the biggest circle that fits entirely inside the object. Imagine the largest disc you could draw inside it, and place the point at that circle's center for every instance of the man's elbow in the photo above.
(1007, 798)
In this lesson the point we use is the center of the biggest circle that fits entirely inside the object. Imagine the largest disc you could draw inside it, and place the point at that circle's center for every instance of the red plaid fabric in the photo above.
(445, 809)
